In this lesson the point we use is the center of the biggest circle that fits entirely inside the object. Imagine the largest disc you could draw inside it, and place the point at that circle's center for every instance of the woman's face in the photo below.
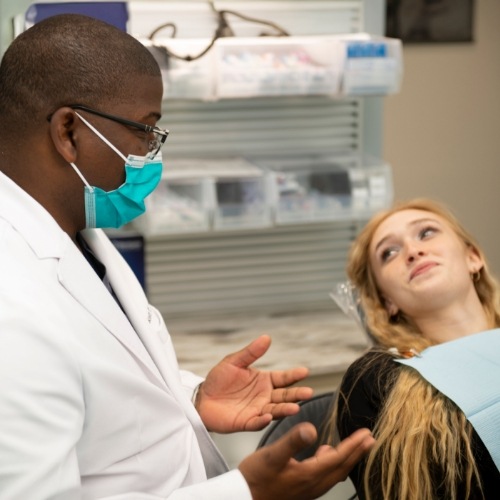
(420, 264)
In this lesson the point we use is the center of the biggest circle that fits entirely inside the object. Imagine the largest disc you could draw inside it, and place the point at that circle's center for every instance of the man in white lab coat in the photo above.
(92, 402)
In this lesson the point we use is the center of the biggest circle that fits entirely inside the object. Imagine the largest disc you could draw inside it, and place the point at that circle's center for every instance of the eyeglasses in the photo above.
(160, 135)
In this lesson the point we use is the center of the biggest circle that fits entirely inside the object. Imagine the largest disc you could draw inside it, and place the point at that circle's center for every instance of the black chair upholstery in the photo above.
(316, 410)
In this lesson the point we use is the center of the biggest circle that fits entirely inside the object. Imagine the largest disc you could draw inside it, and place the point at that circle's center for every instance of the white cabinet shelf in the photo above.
(235, 67)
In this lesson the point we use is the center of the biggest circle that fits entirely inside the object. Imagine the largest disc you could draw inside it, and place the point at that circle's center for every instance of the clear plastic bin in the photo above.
(372, 186)
(182, 202)
(370, 65)
(266, 66)
(241, 197)
(184, 79)
(322, 188)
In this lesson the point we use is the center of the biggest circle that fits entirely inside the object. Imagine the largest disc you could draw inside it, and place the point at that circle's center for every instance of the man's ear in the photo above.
(64, 133)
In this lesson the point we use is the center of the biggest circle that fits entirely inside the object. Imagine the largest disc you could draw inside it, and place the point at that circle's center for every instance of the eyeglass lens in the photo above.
(156, 144)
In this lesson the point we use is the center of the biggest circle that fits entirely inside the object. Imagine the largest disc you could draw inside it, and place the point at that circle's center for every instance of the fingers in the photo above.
(259, 422)
(360, 438)
(323, 450)
(340, 460)
(354, 447)
(280, 410)
(251, 353)
(272, 472)
(291, 394)
(255, 350)
(285, 378)
(296, 439)
(284, 402)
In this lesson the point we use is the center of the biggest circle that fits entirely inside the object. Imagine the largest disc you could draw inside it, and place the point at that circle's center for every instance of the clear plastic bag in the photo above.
(346, 296)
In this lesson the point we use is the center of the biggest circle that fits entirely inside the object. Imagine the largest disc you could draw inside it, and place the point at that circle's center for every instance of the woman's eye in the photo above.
(387, 254)
(426, 232)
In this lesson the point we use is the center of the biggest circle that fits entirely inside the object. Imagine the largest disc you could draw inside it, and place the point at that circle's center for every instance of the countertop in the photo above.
(326, 342)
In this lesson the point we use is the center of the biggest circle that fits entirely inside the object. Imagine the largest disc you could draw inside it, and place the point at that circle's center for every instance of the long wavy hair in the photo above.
(414, 447)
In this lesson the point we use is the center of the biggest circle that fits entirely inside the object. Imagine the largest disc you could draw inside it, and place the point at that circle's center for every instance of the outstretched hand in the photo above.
(273, 474)
(237, 397)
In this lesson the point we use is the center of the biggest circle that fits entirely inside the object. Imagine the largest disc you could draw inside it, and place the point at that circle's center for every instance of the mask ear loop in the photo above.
(96, 132)
(91, 127)
(77, 170)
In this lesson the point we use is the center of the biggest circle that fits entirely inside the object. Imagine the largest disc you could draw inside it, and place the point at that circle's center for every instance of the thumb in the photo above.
(296, 439)
(250, 353)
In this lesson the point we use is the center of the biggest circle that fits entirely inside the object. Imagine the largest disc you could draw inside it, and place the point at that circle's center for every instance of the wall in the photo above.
(441, 133)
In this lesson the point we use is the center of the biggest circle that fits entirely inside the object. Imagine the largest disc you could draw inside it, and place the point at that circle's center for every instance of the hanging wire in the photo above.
(279, 29)
(223, 30)
(161, 27)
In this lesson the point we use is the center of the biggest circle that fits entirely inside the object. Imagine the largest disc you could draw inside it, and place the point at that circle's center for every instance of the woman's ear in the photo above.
(63, 131)
(390, 307)
(474, 260)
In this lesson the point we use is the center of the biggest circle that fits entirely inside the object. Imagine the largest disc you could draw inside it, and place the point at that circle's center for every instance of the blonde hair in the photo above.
(413, 445)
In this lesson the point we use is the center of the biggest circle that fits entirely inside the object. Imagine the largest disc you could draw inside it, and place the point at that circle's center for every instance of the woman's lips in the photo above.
(421, 268)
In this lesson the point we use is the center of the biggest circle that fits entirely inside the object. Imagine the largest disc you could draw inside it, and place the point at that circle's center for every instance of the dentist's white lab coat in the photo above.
(92, 403)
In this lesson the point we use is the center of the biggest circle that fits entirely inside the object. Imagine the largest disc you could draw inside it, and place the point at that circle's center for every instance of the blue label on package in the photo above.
(366, 49)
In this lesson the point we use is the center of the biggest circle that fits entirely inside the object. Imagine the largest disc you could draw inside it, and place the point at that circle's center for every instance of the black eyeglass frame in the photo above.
(163, 133)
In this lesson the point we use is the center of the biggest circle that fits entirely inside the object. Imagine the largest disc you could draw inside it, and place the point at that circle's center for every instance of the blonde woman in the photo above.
(432, 308)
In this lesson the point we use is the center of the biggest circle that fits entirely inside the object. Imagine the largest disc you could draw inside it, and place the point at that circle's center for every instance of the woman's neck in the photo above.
(458, 320)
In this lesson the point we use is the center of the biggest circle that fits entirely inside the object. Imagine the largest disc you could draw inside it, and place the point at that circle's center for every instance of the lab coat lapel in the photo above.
(80, 280)
(147, 325)
(151, 330)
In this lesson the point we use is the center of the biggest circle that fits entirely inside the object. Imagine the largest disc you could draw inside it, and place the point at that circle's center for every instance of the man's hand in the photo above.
(236, 397)
(273, 474)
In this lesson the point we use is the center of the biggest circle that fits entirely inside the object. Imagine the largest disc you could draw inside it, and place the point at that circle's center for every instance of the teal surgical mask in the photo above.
(113, 209)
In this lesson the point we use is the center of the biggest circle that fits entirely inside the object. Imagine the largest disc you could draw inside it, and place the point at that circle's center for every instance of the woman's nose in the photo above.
(413, 253)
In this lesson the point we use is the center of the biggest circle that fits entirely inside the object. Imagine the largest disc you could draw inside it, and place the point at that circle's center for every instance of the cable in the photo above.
(159, 28)
(278, 28)
(223, 30)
